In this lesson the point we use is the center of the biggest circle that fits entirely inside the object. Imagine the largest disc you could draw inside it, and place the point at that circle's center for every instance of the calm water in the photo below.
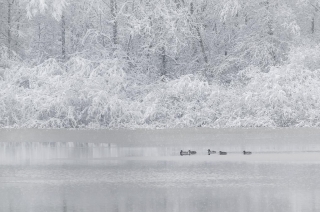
(80, 176)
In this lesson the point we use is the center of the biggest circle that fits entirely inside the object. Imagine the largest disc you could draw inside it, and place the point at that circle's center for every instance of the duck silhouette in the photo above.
(184, 153)
(211, 152)
(192, 152)
(222, 153)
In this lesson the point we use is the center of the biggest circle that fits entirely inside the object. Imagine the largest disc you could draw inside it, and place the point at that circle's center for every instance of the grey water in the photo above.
(38, 173)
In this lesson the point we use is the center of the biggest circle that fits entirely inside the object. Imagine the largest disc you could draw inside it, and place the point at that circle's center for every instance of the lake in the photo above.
(141, 170)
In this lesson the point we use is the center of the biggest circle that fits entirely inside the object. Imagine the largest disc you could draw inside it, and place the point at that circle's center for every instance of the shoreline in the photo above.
(168, 137)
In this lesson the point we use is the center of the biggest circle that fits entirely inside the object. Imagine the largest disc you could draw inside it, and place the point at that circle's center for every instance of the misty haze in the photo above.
(159, 105)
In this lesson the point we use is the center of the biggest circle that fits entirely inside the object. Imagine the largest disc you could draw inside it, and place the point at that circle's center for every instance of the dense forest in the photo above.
(159, 63)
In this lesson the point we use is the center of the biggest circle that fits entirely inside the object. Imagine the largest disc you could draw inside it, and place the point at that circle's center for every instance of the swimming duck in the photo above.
(247, 153)
(222, 153)
(192, 152)
(211, 152)
(184, 153)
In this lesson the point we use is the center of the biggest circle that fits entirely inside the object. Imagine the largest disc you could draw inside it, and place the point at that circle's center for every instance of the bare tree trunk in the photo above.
(101, 30)
(113, 7)
(202, 46)
(316, 9)
(18, 25)
(246, 19)
(312, 25)
(39, 35)
(270, 22)
(313, 20)
(63, 37)
(9, 35)
(203, 50)
(164, 62)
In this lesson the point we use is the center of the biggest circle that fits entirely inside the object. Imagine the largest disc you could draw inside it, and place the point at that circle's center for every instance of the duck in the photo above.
(211, 152)
(184, 153)
(192, 152)
(247, 153)
(222, 153)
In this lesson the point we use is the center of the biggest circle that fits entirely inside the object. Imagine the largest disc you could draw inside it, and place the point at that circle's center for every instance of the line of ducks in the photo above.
(210, 152)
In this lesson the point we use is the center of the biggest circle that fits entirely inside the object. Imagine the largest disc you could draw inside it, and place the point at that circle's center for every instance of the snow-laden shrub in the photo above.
(305, 57)
(54, 94)
(180, 103)
(8, 57)
(82, 93)
(287, 95)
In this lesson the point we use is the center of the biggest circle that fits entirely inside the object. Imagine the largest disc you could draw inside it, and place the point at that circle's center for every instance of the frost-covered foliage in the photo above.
(7, 57)
(159, 64)
(82, 93)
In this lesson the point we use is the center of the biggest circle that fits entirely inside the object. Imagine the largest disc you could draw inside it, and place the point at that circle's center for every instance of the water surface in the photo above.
(100, 176)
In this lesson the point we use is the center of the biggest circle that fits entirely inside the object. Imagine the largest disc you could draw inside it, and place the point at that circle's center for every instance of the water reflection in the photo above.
(64, 177)
(37, 152)
(160, 186)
